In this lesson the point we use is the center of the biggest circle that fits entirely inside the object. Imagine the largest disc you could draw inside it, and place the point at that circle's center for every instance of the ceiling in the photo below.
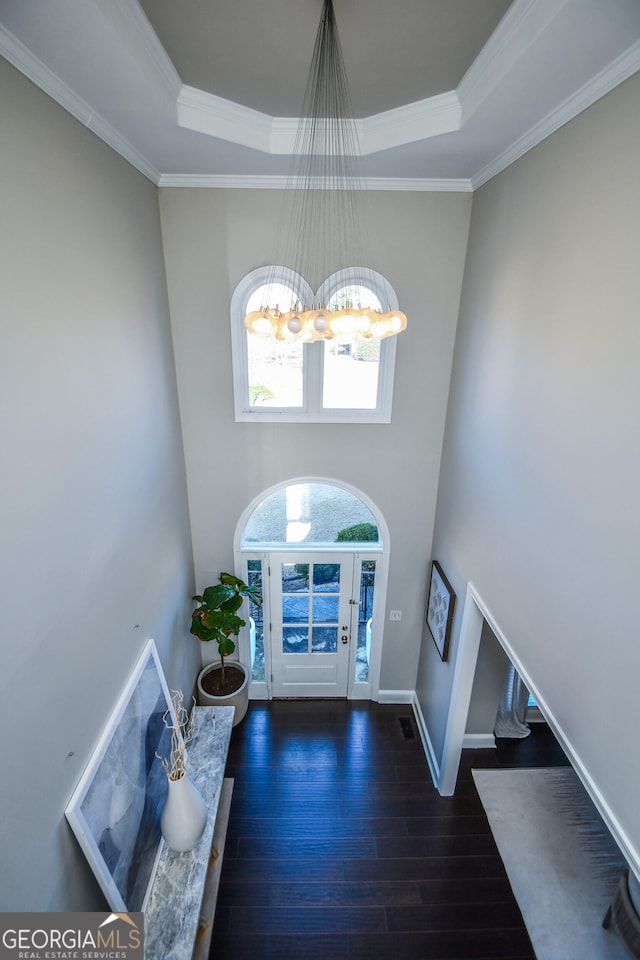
(207, 92)
(397, 52)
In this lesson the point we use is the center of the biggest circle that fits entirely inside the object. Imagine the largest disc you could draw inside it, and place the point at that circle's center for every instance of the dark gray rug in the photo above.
(562, 863)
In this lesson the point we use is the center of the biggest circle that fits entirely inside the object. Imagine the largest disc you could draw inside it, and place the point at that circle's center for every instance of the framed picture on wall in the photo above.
(440, 609)
(115, 808)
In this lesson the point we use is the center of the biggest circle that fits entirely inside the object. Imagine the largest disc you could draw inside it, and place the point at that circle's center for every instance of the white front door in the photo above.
(312, 609)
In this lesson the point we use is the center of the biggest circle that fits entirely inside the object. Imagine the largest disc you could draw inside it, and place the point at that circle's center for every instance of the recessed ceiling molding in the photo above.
(283, 134)
(24, 60)
(516, 33)
(233, 182)
(121, 84)
(138, 35)
(414, 121)
(615, 73)
(226, 120)
(217, 117)
(284, 131)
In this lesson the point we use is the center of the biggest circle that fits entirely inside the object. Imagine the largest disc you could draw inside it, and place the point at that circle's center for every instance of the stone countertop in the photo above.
(172, 914)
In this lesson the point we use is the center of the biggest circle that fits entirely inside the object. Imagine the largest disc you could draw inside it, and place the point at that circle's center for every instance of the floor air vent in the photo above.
(407, 728)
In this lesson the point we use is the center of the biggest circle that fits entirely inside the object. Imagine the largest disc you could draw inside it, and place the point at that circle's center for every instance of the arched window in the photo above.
(347, 381)
(313, 514)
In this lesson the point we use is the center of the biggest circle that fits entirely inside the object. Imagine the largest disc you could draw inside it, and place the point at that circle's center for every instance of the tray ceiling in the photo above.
(206, 92)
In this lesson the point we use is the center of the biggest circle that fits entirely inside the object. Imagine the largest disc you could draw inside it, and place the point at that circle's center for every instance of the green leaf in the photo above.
(232, 604)
(215, 596)
(226, 646)
(229, 578)
(254, 595)
(200, 630)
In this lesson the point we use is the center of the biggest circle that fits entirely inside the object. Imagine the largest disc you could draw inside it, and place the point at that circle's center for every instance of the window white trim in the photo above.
(311, 410)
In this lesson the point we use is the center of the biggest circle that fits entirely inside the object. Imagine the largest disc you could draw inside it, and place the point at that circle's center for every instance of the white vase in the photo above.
(184, 816)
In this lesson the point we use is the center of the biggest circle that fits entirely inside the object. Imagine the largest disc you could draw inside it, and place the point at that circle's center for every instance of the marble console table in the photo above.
(172, 916)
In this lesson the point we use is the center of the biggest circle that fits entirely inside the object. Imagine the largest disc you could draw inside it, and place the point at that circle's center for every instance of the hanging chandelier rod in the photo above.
(321, 226)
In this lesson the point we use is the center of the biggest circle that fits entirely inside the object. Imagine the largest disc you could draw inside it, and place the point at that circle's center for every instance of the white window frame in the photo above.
(311, 410)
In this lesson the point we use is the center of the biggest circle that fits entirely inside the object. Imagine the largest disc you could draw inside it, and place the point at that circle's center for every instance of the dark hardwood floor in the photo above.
(340, 848)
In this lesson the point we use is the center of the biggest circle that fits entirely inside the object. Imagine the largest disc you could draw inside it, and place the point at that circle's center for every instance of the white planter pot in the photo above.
(238, 699)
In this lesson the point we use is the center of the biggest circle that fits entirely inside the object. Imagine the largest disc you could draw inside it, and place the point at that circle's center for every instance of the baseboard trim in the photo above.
(427, 745)
(395, 696)
(478, 741)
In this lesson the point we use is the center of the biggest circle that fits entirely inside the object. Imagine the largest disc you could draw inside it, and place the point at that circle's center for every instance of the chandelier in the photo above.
(322, 220)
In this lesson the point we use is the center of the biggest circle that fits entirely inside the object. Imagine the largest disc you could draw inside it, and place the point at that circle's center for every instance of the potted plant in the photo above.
(216, 618)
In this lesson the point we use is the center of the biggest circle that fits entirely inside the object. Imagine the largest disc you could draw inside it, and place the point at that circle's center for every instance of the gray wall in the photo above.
(95, 552)
(538, 496)
(214, 238)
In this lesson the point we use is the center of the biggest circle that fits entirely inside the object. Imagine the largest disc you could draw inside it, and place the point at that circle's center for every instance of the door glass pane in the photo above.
(365, 622)
(295, 577)
(275, 367)
(256, 623)
(295, 639)
(324, 640)
(326, 577)
(325, 609)
(295, 609)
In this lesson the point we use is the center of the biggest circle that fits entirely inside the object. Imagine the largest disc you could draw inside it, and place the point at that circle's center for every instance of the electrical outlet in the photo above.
(395, 615)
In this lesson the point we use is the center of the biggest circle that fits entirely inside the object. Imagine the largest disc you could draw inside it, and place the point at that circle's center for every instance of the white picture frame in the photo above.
(115, 809)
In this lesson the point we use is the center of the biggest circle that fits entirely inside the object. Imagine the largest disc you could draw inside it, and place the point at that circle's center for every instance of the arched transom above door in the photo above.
(311, 513)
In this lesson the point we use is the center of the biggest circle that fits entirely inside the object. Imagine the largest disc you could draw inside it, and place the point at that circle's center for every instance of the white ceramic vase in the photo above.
(184, 816)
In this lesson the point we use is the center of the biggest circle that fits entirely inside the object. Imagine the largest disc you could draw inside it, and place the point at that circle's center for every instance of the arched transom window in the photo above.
(312, 514)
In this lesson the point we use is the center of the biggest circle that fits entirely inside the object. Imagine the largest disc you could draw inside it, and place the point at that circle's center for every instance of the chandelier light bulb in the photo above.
(260, 322)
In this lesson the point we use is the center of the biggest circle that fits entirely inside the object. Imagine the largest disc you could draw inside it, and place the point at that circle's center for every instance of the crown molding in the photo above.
(516, 33)
(27, 63)
(420, 185)
(231, 182)
(614, 74)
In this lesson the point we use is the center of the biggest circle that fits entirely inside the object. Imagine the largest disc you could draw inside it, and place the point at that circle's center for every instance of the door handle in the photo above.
(344, 638)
